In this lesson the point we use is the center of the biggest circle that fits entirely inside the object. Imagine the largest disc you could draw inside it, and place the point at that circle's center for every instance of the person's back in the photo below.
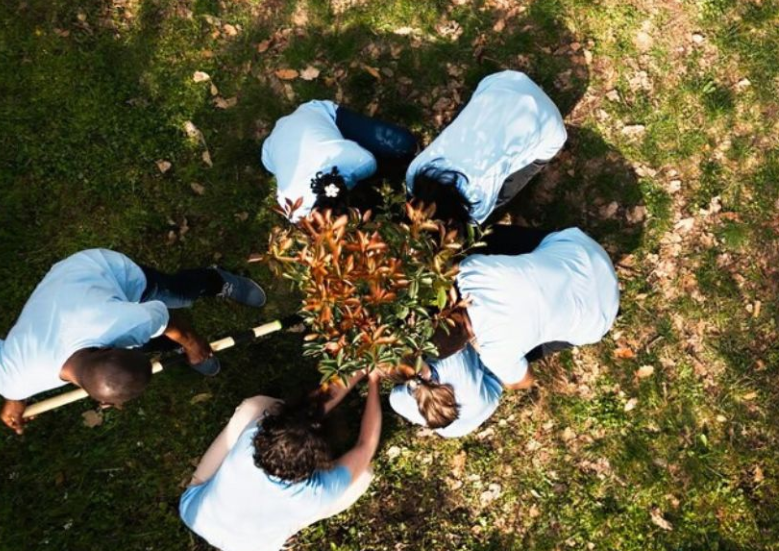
(507, 125)
(566, 290)
(243, 508)
(305, 143)
(89, 299)
(258, 484)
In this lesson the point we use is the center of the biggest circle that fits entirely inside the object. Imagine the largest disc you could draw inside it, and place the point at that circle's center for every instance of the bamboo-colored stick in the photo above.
(75, 395)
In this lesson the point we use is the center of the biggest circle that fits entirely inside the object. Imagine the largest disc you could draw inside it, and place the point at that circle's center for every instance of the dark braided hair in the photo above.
(291, 444)
(438, 186)
(325, 182)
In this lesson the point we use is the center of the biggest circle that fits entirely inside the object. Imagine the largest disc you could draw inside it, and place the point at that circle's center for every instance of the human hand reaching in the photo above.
(13, 415)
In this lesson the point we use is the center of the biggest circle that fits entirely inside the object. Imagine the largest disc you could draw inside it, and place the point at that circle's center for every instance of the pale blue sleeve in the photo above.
(136, 324)
(334, 482)
(356, 163)
(158, 317)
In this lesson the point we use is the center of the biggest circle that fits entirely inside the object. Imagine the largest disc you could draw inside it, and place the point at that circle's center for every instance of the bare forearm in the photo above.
(370, 429)
(338, 391)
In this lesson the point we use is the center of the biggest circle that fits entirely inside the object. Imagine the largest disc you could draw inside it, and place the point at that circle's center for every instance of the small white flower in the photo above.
(331, 190)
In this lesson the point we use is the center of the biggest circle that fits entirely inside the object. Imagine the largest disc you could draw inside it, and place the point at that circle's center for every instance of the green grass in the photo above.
(94, 95)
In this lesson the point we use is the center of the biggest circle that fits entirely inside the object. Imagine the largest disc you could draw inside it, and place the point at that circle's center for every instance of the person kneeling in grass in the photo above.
(525, 306)
(322, 150)
(269, 474)
(509, 130)
(87, 318)
(452, 396)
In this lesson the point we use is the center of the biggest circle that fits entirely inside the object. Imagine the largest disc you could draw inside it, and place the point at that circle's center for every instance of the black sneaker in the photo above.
(241, 289)
(209, 367)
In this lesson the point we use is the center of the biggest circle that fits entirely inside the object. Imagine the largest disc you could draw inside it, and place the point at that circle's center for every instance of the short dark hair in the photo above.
(326, 182)
(436, 186)
(291, 444)
(113, 375)
(450, 339)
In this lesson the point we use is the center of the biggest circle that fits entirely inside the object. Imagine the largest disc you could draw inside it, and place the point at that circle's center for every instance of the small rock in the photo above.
(697, 38)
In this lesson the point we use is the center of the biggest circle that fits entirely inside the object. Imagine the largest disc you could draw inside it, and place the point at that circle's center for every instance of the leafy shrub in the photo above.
(375, 287)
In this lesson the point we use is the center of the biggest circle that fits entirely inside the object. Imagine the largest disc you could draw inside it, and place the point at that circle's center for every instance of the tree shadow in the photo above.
(60, 198)
(589, 185)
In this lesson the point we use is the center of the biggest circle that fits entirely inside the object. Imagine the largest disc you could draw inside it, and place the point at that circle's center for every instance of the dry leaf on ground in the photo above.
(199, 189)
(645, 371)
(309, 73)
(92, 418)
(200, 76)
(658, 520)
(287, 74)
(192, 131)
(164, 166)
(222, 103)
(624, 353)
(203, 397)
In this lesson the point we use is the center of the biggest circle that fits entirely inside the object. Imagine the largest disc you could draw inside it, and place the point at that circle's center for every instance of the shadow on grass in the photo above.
(78, 158)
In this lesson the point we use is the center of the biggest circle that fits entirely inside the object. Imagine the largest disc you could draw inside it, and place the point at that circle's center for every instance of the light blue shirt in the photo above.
(476, 390)
(565, 290)
(508, 123)
(241, 508)
(306, 142)
(90, 299)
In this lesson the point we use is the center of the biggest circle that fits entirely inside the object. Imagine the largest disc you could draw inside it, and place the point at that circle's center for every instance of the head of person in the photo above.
(439, 187)
(291, 444)
(436, 402)
(330, 191)
(112, 376)
(450, 339)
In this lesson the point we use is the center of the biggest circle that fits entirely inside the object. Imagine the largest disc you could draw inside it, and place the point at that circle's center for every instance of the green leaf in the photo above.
(441, 301)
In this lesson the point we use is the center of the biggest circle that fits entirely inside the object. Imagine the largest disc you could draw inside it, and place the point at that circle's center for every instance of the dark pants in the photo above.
(517, 181)
(547, 349)
(181, 289)
(393, 146)
(511, 240)
(178, 290)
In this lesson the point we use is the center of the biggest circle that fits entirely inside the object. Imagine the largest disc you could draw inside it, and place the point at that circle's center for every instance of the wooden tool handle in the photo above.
(79, 393)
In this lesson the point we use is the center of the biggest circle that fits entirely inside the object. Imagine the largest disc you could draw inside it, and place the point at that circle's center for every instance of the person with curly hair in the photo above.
(322, 150)
(453, 396)
(88, 319)
(509, 130)
(270, 473)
